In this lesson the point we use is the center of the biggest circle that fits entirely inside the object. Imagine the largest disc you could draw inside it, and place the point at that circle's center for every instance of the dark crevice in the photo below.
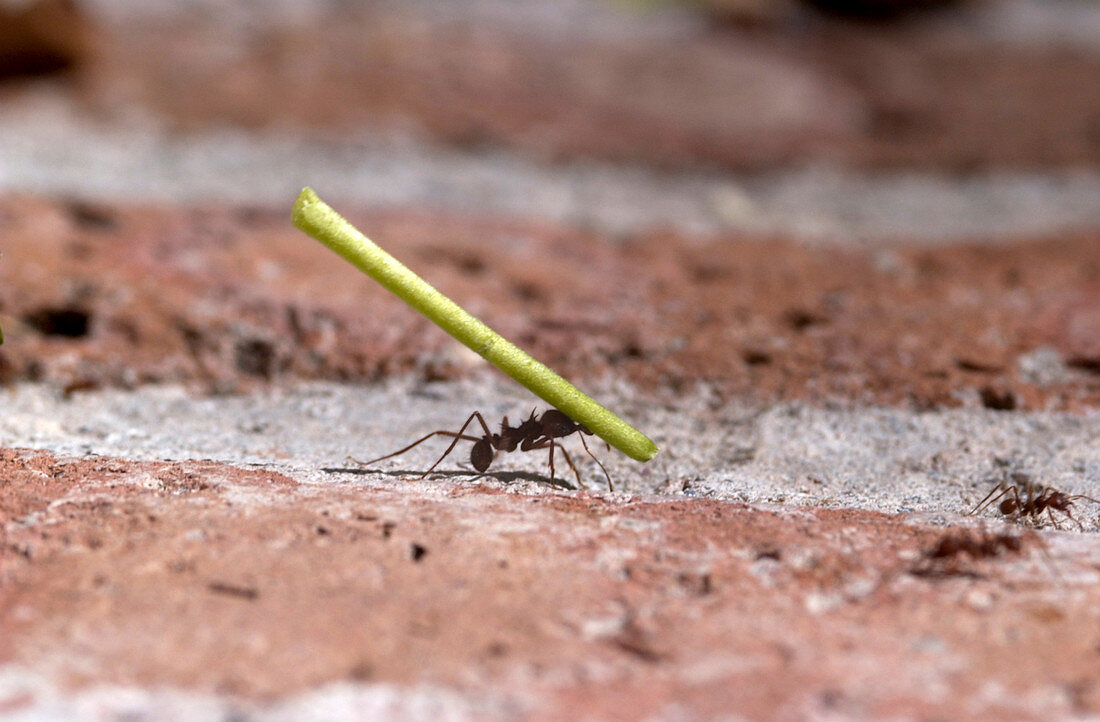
(65, 321)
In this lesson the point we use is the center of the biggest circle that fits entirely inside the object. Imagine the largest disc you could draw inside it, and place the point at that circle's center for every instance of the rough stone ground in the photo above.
(846, 301)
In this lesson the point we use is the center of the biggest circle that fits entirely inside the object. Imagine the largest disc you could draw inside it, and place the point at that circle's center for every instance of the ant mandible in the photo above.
(534, 433)
(1038, 499)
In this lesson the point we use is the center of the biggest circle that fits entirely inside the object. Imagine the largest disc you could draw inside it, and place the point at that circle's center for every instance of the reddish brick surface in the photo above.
(240, 582)
(228, 299)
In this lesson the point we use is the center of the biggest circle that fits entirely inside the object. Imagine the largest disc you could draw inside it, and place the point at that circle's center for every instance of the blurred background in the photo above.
(657, 190)
(840, 120)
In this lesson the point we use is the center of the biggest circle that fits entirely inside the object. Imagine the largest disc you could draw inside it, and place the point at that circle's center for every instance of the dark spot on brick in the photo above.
(998, 400)
(757, 358)
(976, 366)
(877, 10)
(33, 63)
(635, 643)
(66, 321)
(527, 292)
(255, 357)
(79, 384)
(91, 217)
(1090, 365)
(417, 551)
(471, 264)
(696, 583)
(800, 320)
(772, 553)
(234, 590)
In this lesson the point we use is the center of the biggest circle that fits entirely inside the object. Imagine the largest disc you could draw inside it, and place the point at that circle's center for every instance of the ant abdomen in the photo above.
(481, 454)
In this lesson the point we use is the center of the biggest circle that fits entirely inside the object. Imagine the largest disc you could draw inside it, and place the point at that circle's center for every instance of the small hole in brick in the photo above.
(998, 400)
(70, 322)
(417, 551)
(255, 357)
(87, 215)
(757, 358)
(800, 320)
(1089, 365)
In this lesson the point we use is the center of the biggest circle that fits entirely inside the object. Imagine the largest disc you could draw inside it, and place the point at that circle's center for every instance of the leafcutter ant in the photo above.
(536, 432)
(1021, 499)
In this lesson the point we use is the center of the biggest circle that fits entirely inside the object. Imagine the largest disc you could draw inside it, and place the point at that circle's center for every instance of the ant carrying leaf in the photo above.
(581, 412)
(535, 433)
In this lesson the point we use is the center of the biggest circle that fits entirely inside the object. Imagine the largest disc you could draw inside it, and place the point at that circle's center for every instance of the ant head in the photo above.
(481, 454)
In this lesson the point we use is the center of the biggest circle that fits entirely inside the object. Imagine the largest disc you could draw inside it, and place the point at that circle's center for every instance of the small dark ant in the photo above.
(1015, 505)
(532, 434)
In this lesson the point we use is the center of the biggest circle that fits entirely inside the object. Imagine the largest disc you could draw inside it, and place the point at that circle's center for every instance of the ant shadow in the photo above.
(505, 477)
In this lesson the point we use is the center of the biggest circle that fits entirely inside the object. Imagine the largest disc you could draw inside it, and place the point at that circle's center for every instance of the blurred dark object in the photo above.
(748, 12)
(41, 37)
(877, 9)
(773, 12)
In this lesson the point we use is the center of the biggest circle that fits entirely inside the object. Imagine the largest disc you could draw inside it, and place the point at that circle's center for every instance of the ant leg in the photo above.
(1023, 510)
(1033, 503)
(459, 437)
(551, 444)
(419, 441)
(610, 486)
(993, 496)
(1075, 497)
(1080, 526)
(571, 465)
